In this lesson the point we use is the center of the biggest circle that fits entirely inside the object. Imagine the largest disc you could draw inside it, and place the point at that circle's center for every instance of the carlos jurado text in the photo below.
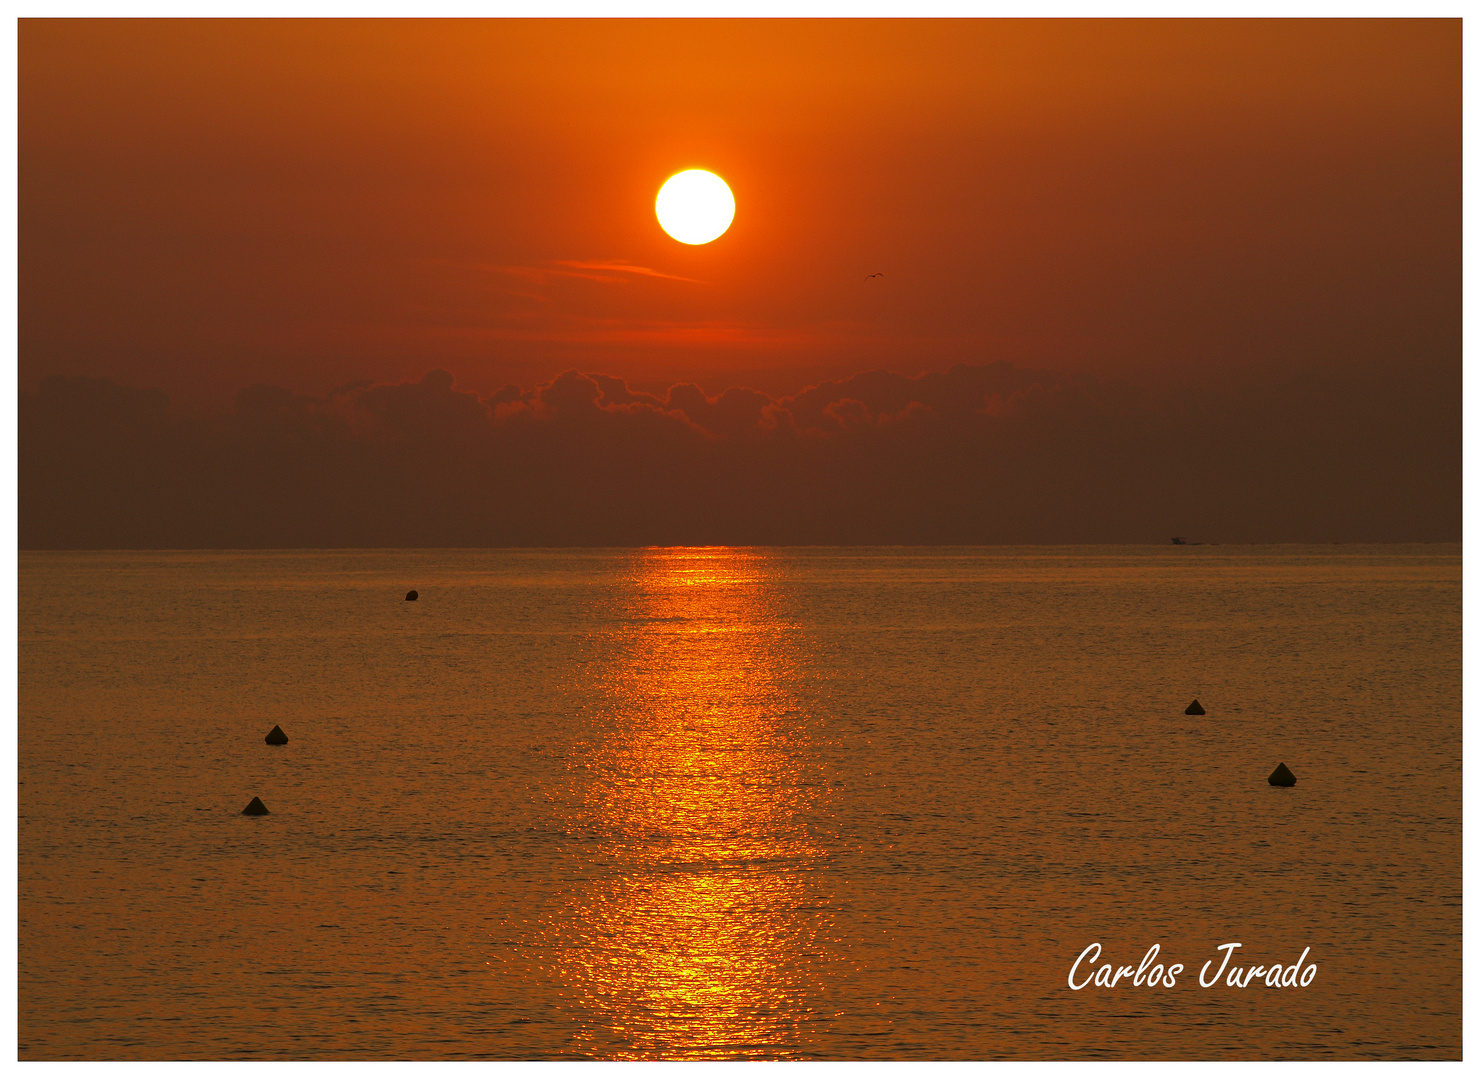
(1087, 971)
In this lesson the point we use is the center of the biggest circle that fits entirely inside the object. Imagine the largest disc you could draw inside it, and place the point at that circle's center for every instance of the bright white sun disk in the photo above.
(694, 206)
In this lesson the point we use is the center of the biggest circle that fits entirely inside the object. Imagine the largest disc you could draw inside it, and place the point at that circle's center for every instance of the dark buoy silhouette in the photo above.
(1194, 710)
(412, 595)
(1282, 777)
(275, 737)
(255, 807)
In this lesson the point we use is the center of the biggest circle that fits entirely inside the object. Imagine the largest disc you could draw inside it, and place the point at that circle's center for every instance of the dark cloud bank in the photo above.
(979, 454)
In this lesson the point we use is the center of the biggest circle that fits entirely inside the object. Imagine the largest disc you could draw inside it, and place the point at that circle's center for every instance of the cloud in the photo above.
(625, 268)
(610, 272)
(985, 453)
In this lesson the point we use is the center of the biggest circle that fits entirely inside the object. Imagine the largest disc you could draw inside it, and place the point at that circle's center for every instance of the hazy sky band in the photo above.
(978, 454)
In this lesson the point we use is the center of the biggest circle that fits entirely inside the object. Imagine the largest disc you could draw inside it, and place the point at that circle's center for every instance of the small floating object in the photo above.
(255, 807)
(1282, 777)
(275, 737)
(1194, 710)
(412, 595)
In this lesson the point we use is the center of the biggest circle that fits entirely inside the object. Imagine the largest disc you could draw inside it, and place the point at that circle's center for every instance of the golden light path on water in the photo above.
(697, 936)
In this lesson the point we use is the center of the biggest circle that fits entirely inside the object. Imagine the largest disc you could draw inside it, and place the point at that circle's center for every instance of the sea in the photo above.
(741, 803)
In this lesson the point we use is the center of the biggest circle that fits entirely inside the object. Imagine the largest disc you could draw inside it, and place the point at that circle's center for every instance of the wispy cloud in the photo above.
(531, 283)
(607, 272)
(624, 268)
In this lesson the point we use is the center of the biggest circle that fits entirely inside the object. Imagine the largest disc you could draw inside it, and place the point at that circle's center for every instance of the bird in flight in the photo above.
(873, 276)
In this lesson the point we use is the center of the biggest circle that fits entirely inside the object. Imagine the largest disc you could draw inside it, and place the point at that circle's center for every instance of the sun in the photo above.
(694, 206)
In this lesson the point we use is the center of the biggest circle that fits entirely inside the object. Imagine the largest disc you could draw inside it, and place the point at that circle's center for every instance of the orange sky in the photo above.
(208, 205)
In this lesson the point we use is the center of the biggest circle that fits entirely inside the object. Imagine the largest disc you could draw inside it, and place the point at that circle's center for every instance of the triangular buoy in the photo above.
(1282, 777)
(1193, 710)
(275, 737)
(412, 595)
(255, 807)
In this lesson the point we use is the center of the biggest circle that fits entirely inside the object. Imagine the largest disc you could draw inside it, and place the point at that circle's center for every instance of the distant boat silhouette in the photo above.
(1179, 539)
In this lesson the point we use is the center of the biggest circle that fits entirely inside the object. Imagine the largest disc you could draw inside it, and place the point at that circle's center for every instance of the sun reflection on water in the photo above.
(698, 930)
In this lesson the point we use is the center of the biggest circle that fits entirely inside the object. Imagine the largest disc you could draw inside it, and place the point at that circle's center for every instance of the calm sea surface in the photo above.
(774, 803)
